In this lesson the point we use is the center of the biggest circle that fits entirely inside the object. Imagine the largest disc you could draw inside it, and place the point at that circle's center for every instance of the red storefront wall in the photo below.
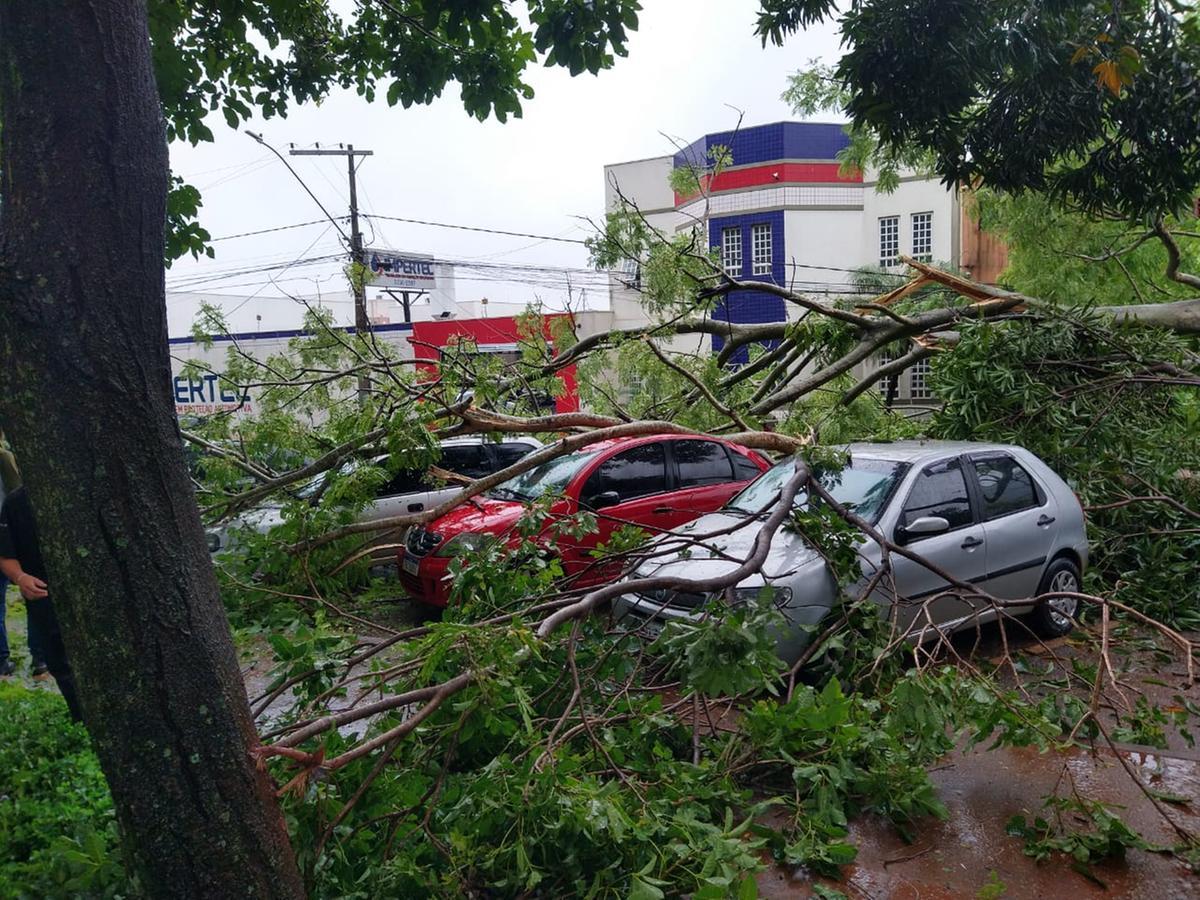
(429, 337)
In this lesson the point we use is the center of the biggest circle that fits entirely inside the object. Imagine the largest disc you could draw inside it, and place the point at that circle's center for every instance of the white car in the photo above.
(408, 491)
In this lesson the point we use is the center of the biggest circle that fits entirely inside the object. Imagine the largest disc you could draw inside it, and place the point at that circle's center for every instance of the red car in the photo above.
(656, 483)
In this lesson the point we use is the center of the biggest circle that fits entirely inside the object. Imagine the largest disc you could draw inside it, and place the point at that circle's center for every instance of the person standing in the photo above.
(10, 477)
(21, 562)
(10, 480)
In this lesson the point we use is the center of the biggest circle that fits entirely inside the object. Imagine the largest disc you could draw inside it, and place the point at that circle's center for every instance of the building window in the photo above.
(631, 272)
(918, 383)
(731, 251)
(889, 241)
(888, 383)
(922, 236)
(760, 246)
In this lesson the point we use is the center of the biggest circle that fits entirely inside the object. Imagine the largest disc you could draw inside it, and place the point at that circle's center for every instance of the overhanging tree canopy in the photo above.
(84, 385)
(1092, 103)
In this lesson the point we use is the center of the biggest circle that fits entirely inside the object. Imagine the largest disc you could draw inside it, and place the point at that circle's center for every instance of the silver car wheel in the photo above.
(1062, 609)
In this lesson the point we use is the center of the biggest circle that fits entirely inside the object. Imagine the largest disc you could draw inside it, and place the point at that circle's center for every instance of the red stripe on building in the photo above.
(775, 173)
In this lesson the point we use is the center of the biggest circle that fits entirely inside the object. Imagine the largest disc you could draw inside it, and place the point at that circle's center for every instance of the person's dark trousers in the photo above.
(4, 652)
(42, 617)
(34, 636)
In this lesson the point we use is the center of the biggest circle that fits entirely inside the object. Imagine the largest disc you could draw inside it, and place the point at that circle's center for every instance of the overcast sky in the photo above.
(691, 66)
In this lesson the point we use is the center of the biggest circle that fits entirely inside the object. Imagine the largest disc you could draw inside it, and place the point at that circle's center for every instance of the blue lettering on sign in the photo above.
(205, 390)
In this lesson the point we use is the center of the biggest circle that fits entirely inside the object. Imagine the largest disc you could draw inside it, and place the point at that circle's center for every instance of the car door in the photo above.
(638, 476)
(404, 493)
(938, 489)
(398, 495)
(704, 480)
(1018, 522)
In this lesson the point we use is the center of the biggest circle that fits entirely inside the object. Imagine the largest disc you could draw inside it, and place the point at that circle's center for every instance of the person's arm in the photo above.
(31, 588)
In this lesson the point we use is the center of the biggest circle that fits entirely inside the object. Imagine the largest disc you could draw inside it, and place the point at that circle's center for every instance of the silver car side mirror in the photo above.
(926, 525)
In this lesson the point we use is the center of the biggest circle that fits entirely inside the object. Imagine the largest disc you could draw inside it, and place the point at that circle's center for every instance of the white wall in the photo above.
(643, 182)
(912, 196)
(204, 395)
(828, 238)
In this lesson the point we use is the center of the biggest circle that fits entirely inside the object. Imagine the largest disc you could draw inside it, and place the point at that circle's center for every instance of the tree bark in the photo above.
(85, 397)
(1180, 316)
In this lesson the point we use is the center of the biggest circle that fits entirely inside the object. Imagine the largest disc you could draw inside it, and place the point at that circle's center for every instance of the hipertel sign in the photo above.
(402, 267)
(205, 390)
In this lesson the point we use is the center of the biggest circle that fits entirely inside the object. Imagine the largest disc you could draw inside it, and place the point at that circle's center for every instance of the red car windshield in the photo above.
(550, 477)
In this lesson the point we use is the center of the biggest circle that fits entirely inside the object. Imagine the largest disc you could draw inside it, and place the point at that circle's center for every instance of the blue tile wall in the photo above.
(767, 143)
(749, 307)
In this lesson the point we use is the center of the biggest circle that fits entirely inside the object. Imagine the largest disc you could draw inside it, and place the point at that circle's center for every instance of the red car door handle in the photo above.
(662, 510)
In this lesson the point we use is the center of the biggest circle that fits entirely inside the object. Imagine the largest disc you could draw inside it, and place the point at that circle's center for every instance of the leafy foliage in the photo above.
(1085, 399)
(262, 56)
(1074, 260)
(1087, 103)
(58, 832)
(1103, 835)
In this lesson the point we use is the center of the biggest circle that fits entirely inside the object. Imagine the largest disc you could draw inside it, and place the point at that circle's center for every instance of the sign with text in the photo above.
(401, 271)
(207, 395)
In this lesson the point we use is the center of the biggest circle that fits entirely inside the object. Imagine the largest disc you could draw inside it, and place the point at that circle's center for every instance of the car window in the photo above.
(406, 481)
(466, 459)
(864, 486)
(509, 452)
(940, 490)
(744, 469)
(701, 463)
(636, 472)
(1005, 486)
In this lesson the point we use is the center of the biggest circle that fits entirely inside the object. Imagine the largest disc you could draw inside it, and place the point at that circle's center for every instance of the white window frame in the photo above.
(885, 383)
(731, 250)
(922, 229)
(889, 241)
(760, 249)
(918, 384)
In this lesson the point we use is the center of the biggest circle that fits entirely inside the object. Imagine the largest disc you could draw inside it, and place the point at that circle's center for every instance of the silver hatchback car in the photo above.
(990, 514)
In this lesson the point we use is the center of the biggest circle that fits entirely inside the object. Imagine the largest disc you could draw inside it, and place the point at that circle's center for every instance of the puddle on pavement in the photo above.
(982, 790)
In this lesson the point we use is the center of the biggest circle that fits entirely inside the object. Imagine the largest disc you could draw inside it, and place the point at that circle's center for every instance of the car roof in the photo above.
(921, 451)
(473, 439)
(633, 440)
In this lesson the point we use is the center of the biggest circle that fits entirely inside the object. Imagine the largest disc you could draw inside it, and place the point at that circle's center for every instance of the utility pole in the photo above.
(362, 323)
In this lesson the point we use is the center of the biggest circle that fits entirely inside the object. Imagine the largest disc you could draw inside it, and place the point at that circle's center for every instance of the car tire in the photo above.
(1057, 616)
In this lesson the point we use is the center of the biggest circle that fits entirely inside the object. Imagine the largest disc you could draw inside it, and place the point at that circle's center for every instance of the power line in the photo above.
(307, 189)
(196, 281)
(230, 237)
(521, 234)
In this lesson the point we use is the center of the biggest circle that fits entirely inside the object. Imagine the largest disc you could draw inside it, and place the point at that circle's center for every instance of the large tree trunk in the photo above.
(85, 395)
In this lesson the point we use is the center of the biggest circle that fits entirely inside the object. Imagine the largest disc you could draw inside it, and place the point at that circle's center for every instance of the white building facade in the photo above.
(784, 212)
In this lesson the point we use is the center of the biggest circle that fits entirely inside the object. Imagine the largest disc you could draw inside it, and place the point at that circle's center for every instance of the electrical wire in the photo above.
(521, 234)
(225, 276)
(307, 189)
(230, 237)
